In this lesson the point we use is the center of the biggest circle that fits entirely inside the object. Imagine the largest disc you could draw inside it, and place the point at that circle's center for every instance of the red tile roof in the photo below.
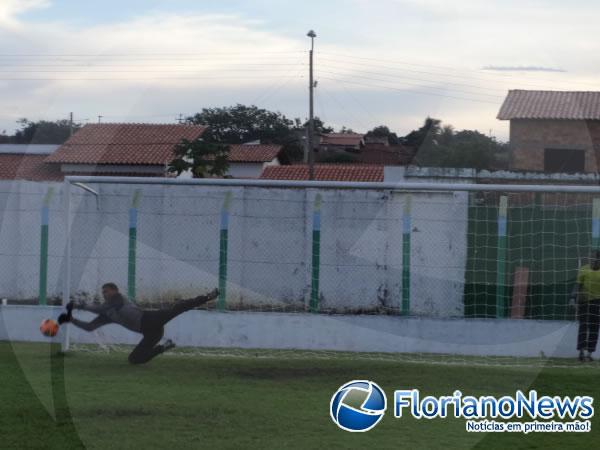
(349, 139)
(573, 105)
(325, 172)
(28, 167)
(253, 153)
(130, 144)
(393, 155)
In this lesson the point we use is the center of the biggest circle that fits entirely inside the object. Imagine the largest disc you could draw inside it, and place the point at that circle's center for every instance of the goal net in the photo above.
(420, 269)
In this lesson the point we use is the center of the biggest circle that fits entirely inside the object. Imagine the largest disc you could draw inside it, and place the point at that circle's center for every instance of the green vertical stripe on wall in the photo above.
(223, 252)
(316, 255)
(131, 290)
(45, 226)
(43, 266)
(132, 256)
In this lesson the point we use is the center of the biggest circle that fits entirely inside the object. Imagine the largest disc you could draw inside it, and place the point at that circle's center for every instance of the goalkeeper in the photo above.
(586, 295)
(150, 323)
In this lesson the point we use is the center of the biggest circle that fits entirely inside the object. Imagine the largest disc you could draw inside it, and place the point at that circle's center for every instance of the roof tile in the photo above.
(28, 167)
(323, 172)
(131, 144)
(253, 153)
(573, 105)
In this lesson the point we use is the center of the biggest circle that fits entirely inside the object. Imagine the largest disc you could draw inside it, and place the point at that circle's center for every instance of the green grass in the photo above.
(247, 402)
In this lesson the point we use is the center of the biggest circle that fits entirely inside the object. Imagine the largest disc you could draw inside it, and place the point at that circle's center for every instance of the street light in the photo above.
(311, 115)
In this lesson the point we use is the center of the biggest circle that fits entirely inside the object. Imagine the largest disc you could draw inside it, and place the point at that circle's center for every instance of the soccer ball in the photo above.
(49, 328)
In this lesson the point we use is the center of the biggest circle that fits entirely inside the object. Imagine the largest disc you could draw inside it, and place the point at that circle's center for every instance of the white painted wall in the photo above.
(245, 170)
(521, 338)
(241, 170)
(270, 245)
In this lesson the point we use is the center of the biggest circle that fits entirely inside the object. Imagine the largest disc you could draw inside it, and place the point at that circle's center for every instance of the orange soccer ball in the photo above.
(49, 328)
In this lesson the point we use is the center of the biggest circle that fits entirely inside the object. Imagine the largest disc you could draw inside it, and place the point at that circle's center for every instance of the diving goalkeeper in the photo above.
(150, 323)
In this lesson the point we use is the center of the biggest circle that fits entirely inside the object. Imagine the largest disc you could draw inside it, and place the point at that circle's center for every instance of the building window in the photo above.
(558, 160)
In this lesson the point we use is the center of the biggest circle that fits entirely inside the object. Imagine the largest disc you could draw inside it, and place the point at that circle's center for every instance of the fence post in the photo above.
(131, 266)
(596, 224)
(501, 258)
(223, 249)
(43, 287)
(406, 249)
(316, 255)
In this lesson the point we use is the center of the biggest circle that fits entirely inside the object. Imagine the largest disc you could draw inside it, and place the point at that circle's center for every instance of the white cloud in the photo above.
(10, 9)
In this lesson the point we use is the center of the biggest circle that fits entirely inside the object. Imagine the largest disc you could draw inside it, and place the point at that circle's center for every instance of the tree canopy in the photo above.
(383, 131)
(41, 132)
(442, 146)
(240, 123)
(202, 158)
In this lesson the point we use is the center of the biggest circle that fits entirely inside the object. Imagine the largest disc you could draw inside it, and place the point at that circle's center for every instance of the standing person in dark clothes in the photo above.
(586, 295)
(150, 323)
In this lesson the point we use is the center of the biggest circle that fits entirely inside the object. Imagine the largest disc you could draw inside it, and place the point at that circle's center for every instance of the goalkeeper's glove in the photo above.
(213, 294)
(66, 317)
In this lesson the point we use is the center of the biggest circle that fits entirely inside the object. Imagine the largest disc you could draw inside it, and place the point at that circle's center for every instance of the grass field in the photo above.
(191, 401)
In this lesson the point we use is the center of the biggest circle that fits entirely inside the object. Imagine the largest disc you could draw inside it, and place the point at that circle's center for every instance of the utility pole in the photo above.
(100, 119)
(311, 117)
(70, 124)
(180, 120)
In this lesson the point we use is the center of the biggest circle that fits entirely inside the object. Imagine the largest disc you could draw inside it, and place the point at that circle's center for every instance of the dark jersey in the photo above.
(116, 310)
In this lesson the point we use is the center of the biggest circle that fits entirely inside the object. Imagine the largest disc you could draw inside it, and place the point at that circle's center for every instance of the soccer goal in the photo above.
(418, 268)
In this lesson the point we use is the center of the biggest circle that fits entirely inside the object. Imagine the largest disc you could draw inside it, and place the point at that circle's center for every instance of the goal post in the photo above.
(411, 250)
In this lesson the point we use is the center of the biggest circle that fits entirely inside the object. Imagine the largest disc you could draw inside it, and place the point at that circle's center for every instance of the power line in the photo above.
(462, 77)
(445, 68)
(409, 90)
(131, 54)
(140, 79)
(419, 85)
(413, 78)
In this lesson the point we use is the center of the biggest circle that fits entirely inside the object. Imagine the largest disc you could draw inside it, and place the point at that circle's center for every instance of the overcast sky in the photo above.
(388, 62)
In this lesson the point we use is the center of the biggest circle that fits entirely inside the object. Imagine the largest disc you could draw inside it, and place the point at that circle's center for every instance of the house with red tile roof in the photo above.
(342, 141)
(146, 150)
(326, 172)
(122, 149)
(388, 155)
(27, 162)
(553, 131)
(249, 160)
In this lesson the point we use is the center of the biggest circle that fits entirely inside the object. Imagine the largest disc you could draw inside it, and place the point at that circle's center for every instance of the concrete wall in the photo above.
(520, 338)
(416, 174)
(270, 245)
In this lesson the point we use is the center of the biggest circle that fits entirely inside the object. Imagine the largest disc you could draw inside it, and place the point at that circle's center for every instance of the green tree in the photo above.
(320, 126)
(442, 146)
(470, 149)
(383, 131)
(424, 135)
(239, 124)
(345, 130)
(43, 132)
(202, 158)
